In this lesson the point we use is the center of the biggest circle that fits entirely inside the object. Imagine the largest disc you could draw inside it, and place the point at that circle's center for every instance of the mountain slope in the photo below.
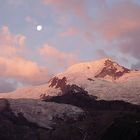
(104, 79)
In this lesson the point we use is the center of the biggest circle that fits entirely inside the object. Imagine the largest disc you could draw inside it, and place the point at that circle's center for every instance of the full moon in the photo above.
(39, 27)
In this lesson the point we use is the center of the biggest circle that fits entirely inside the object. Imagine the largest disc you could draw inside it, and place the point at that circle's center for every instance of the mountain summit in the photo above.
(104, 69)
(99, 69)
(112, 69)
(105, 79)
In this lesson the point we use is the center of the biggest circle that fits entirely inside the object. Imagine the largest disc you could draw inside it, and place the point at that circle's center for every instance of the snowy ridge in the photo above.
(105, 79)
(86, 68)
(33, 92)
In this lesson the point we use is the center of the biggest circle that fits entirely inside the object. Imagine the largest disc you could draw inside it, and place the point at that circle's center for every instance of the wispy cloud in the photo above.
(75, 6)
(71, 31)
(122, 23)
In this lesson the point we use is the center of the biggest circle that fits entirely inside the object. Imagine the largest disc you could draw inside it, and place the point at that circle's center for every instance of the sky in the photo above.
(73, 31)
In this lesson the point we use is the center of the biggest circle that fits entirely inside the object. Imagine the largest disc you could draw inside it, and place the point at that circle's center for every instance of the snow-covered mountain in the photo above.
(104, 79)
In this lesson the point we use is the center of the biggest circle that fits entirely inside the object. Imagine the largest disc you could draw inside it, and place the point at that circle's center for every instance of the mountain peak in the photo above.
(104, 68)
(88, 65)
(112, 69)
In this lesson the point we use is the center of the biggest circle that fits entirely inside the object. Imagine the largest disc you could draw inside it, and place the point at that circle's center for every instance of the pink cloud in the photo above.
(71, 31)
(56, 57)
(121, 23)
(9, 43)
(121, 18)
(17, 66)
(12, 62)
(75, 6)
(67, 7)
(23, 70)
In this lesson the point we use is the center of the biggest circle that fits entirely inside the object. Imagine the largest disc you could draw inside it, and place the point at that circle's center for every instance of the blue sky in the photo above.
(73, 31)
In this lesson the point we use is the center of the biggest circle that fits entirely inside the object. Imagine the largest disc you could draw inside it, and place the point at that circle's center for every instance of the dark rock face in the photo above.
(73, 95)
(111, 70)
(82, 99)
(74, 89)
(124, 128)
(90, 79)
(65, 88)
(58, 83)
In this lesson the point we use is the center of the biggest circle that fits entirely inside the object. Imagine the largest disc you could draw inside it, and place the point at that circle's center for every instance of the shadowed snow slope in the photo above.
(105, 79)
(44, 114)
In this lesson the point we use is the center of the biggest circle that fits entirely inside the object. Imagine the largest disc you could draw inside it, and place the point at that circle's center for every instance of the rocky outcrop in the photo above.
(58, 83)
(64, 87)
(113, 70)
